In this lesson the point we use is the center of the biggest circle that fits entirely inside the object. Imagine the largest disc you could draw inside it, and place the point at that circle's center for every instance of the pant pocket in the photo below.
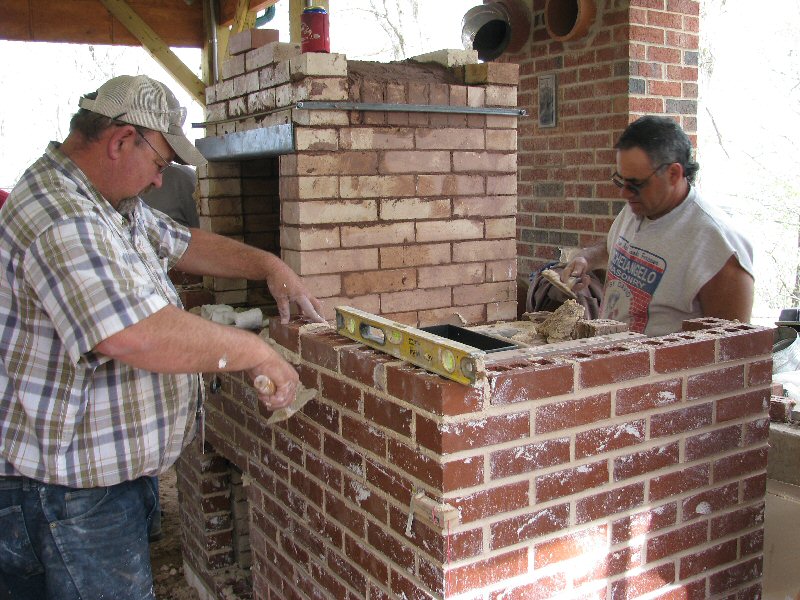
(16, 551)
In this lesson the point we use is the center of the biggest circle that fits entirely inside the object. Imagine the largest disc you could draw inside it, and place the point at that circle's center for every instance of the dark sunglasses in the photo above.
(634, 185)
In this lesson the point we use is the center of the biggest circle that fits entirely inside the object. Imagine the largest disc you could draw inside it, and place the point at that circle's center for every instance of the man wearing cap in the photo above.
(99, 364)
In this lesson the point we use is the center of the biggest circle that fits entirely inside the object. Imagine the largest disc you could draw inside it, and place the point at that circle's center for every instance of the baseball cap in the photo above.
(140, 100)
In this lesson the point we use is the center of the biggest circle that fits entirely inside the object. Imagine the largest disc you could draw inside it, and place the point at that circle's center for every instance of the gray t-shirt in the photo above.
(657, 267)
(175, 197)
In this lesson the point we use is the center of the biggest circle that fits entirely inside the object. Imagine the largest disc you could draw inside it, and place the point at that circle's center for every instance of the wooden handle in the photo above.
(264, 385)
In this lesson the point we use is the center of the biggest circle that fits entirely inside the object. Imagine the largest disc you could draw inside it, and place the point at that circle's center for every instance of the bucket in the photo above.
(785, 350)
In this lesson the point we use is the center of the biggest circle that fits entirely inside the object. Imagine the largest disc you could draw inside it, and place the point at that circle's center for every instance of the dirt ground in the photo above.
(165, 554)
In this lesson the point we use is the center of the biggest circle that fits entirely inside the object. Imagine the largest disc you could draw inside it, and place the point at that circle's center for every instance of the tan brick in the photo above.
(415, 161)
(334, 211)
(485, 162)
(501, 228)
(309, 238)
(377, 235)
(270, 53)
(450, 139)
(415, 255)
(484, 250)
(323, 286)
(390, 280)
(476, 97)
(250, 39)
(212, 207)
(501, 311)
(502, 140)
(317, 139)
(501, 270)
(320, 88)
(316, 118)
(501, 95)
(308, 188)
(410, 209)
(501, 122)
(245, 84)
(501, 184)
(492, 72)
(318, 64)
(370, 303)
(260, 101)
(232, 67)
(447, 185)
(341, 163)
(224, 187)
(419, 299)
(456, 274)
(482, 293)
(317, 262)
(485, 206)
(369, 138)
(472, 315)
(376, 186)
(457, 229)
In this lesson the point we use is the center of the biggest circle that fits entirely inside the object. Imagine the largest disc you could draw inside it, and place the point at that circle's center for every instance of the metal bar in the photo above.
(421, 108)
(253, 143)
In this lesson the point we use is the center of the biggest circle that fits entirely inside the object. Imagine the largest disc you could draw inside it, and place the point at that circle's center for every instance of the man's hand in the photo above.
(286, 287)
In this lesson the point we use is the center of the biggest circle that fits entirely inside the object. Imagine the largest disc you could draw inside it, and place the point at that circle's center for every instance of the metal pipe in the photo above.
(210, 15)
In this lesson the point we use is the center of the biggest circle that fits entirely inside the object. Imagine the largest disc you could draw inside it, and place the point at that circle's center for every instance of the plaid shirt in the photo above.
(74, 271)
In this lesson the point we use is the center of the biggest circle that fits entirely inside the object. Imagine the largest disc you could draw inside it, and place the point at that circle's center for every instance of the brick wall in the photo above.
(628, 468)
(405, 214)
(639, 57)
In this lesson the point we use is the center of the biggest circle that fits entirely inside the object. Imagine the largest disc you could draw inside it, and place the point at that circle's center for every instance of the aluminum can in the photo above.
(314, 30)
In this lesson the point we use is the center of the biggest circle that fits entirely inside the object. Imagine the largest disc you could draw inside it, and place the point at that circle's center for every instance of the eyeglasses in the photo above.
(167, 163)
(632, 185)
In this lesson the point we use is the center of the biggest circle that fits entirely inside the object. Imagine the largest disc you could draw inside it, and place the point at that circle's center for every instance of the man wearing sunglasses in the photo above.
(669, 255)
(99, 364)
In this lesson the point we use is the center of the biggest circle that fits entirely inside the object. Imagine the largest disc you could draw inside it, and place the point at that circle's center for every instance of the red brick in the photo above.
(402, 587)
(571, 413)
(303, 429)
(381, 541)
(720, 381)
(648, 581)
(737, 521)
(713, 442)
(754, 487)
(569, 546)
(752, 543)
(387, 414)
(364, 364)
(542, 588)
(703, 504)
(679, 421)
(736, 465)
(529, 458)
(491, 502)
(323, 349)
(571, 481)
(446, 438)
(485, 572)
(417, 465)
(528, 526)
(382, 477)
(607, 439)
(736, 576)
(340, 392)
(287, 335)
(645, 461)
(742, 405)
(759, 373)
(676, 541)
(648, 396)
(608, 503)
(516, 383)
(751, 341)
(611, 365)
(340, 566)
(756, 432)
(627, 528)
(342, 454)
(431, 392)
(364, 435)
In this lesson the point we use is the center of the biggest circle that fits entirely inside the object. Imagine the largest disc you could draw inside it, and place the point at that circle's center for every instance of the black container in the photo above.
(467, 337)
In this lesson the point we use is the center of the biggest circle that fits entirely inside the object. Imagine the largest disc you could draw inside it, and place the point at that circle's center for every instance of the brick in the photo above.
(481, 293)
(520, 382)
(431, 392)
(365, 436)
(450, 185)
(372, 138)
(413, 209)
(648, 396)
(448, 275)
(365, 365)
(678, 540)
(485, 572)
(250, 39)
(314, 212)
(571, 481)
(323, 348)
(449, 437)
(740, 464)
(342, 454)
(609, 438)
(749, 341)
(388, 280)
(737, 521)
(610, 365)
(486, 250)
(713, 442)
(387, 414)
(645, 461)
(608, 503)
(729, 379)
(759, 373)
(414, 161)
(572, 413)
(378, 186)
(483, 162)
(492, 502)
(376, 234)
(742, 405)
(736, 576)
(528, 526)
(568, 546)
(634, 586)
(485, 206)
(633, 526)
(680, 421)
(704, 503)
(414, 255)
(529, 457)
(452, 229)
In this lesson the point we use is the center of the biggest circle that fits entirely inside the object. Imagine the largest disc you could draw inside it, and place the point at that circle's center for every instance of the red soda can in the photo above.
(314, 30)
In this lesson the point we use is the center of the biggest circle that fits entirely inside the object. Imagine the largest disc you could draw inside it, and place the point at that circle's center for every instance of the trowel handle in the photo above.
(264, 385)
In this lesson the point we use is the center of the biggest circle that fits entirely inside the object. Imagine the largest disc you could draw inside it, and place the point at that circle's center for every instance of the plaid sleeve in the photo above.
(89, 283)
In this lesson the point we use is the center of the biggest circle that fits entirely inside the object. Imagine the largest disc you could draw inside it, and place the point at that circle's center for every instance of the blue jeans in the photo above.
(76, 544)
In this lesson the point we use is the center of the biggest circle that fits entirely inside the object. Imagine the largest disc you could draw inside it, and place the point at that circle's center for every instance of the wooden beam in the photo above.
(157, 48)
